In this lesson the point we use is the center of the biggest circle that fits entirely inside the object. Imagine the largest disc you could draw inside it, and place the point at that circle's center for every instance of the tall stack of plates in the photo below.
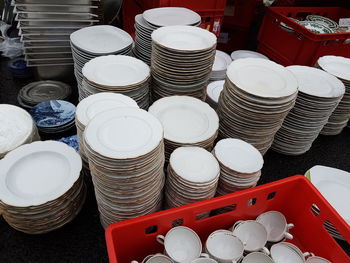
(319, 94)
(182, 59)
(126, 156)
(95, 41)
(120, 74)
(239, 54)
(40, 186)
(187, 121)
(257, 96)
(240, 165)
(154, 18)
(339, 67)
(89, 107)
(40, 91)
(193, 174)
(45, 26)
(17, 128)
(214, 90)
(221, 62)
(54, 116)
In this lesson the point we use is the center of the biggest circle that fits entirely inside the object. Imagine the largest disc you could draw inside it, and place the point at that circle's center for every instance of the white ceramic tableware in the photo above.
(315, 259)
(157, 258)
(204, 260)
(257, 257)
(288, 253)
(240, 54)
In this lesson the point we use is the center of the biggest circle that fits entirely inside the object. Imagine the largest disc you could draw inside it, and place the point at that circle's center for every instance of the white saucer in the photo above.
(335, 65)
(239, 54)
(214, 90)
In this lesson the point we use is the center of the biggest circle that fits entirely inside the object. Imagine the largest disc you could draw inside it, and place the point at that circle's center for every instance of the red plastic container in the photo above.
(294, 197)
(301, 47)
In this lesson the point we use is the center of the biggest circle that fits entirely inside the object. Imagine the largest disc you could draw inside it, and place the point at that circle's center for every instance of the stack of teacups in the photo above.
(193, 173)
(240, 165)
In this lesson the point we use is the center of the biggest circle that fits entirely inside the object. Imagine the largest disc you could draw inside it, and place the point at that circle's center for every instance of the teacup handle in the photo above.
(237, 223)
(288, 235)
(204, 255)
(265, 250)
(160, 239)
(308, 254)
(290, 226)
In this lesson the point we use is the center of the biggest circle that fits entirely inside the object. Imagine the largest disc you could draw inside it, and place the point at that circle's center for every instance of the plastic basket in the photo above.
(294, 197)
(301, 46)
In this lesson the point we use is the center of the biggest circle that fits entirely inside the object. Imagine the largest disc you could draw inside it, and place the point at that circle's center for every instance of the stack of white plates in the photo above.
(119, 74)
(154, 18)
(239, 54)
(319, 94)
(17, 128)
(257, 96)
(240, 165)
(182, 59)
(187, 121)
(40, 186)
(339, 67)
(221, 62)
(45, 25)
(214, 90)
(126, 156)
(95, 41)
(193, 174)
(89, 107)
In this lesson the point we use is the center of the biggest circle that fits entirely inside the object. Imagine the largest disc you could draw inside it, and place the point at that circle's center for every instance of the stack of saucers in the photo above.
(126, 157)
(95, 41)
(214, 90)
(193, 174)
(340, 68)
(154, 18)
(182, 59)
(119, 74)
(17, 128)
(40, 186)
(240, 165)
(54, 116)
(257, 96)
(221, 62)
(40, 91)
(187, 121)
(89, 107)
(319, 94)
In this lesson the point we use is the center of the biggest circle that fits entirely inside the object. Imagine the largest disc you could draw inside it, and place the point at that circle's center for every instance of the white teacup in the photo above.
(253, 235)
(314, 259)
(257, 257)
(204, 260)
(285, 252)
(276, 226)
(157, 258)
(224, 247)
(181, 244)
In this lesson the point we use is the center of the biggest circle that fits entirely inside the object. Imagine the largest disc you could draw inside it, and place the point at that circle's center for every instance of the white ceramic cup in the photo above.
(257, 257)
(157, 258)
(204, 260)
(285, 252)
(276, 226)
(182, 244)
(224, 247)
(314, 259)
(253, 235)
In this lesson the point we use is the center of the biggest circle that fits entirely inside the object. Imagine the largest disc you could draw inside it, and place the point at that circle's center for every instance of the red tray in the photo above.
(302, 47)
(136, 238)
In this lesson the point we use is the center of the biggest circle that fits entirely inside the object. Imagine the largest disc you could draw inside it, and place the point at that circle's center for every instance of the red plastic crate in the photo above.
(302, 47)
(294, 197)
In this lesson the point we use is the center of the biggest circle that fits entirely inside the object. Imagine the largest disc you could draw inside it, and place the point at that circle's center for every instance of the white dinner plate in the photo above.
(336, 65)
(238, 54)
(263, 78)
(334, 185)
(171, 16)
(36, 173)
(214, 89)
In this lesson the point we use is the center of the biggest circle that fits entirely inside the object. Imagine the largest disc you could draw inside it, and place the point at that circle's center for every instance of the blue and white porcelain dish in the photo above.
(71, 141)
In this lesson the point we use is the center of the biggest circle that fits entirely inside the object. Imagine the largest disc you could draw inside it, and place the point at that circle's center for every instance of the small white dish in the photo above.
(222, 61)
(336, 65)
(239, 54)
(214, 90)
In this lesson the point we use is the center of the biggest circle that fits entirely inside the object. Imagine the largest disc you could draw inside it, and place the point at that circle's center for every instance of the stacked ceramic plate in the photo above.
(182, 59)
(193, 174)
(54, 116)
(95, 41)
(71, 141)
(324, 21)
(154, 18)
(221, 62)
(319, 94)
(40, 186)
(120, 74)
(45, 26)
(126, 156)
(340, 68)
(89, 107)
(257, 96)
(40, 91)
(17, 128)
(240, 165)
(186, 121)
(238, 54)
(214, 90)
